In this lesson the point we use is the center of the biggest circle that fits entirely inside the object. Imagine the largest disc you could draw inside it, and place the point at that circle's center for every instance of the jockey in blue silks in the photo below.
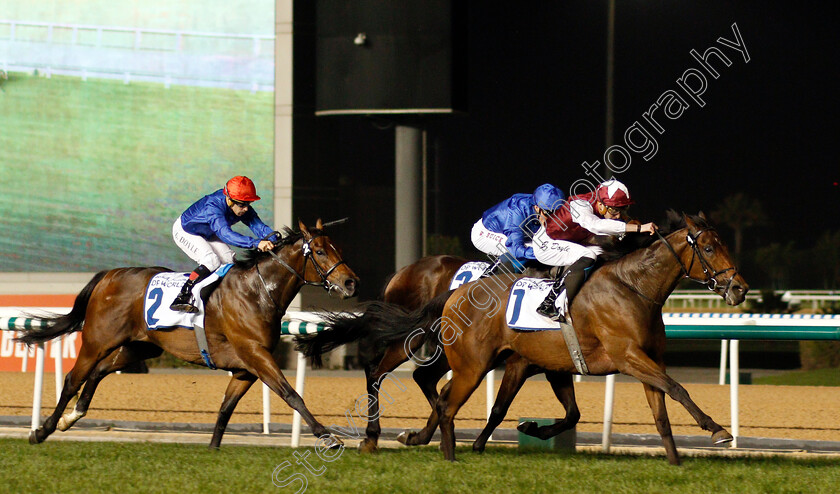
(504, 229)
(204, 233)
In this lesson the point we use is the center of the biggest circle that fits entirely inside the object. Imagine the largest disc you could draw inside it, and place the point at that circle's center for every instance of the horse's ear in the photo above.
(702, 216)
(319, 225)
(304, 231)
(690, 224)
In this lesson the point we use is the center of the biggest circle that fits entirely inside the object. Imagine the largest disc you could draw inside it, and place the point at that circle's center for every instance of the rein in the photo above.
(307, 257)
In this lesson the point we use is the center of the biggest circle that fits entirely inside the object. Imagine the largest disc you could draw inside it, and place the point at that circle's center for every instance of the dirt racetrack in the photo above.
(790, 412)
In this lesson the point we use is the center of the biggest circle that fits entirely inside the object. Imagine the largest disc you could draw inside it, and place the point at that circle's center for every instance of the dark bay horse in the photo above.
(242, 325)
(617, 317)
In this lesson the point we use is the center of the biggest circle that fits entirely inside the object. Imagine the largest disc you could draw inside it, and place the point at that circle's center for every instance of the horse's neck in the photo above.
(285, 285)
(653, 271)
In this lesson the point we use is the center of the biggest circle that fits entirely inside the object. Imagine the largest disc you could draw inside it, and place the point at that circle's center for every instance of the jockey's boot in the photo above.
(489, 271)
(183, 302)
(571, 281)
(548, 307)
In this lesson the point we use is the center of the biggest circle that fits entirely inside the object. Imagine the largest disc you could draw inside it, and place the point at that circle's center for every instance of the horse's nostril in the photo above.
(350, 284)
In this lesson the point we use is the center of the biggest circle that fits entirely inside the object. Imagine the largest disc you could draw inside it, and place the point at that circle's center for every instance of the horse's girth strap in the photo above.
(203, 348)
(574, 348)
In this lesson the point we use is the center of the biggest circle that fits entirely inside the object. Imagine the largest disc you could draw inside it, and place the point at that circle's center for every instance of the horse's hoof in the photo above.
(328, 441)
(33, 437)
(62, 424)
(478, 448)
(404, 437)
(368, 447)
(529, 428)
(722, 437)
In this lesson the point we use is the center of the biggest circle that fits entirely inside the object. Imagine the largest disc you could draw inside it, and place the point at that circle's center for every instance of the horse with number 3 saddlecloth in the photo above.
(617, 317)
(242, 325)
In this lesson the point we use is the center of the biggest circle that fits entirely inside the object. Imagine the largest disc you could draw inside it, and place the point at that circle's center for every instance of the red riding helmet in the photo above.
(241, 189)
(614, 194)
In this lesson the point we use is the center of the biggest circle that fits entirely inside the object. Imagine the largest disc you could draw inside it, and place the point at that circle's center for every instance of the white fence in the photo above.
(191, 58)
(814, 299)
(764, 326)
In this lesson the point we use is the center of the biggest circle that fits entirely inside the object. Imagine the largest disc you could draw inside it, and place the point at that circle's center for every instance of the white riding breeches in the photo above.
(211, 253)
(561, 252)
(486, 241)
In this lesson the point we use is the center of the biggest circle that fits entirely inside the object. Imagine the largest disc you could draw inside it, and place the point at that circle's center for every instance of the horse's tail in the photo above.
(57, 325)
(380, 325)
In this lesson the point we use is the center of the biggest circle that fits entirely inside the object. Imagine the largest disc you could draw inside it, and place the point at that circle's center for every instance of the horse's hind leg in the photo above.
(239, 384)
(516, 373)
(456, 392)
(656, 400)
(72, 383)
(637, 364)
(427, 377)
(119, 359)
(564, 390)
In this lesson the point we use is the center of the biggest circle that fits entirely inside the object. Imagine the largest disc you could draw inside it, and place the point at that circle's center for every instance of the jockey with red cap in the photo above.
(204, 232)
(601, 212)
(504, 229)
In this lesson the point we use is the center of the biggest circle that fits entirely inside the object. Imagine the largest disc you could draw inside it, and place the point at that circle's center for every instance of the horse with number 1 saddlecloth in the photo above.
(617, 318)
(242, 325)
(412, 287)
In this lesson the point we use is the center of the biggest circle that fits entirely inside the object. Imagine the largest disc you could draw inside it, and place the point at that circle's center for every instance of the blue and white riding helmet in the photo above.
(549, 197)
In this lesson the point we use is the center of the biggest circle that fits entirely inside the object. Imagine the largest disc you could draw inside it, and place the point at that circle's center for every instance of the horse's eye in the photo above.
(319, 252)
(708, 249)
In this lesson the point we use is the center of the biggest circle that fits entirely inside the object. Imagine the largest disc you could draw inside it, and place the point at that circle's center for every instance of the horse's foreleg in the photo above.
(637, 364)
(564, 390)
(427, 377)
(393, 357)
(656, 400)
(239, 384)
(516, 372)
(370, 443)
(264, 366)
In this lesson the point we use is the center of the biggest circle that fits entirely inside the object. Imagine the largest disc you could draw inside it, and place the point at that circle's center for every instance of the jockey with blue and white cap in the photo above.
(504, 229)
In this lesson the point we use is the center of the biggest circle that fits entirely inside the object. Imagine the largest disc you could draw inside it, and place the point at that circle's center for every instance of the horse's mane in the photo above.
(288, 237)
(673, 221)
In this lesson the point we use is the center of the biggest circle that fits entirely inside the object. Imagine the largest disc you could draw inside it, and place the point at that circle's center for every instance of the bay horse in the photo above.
(242, 325)
(412, 287)
(617, 318)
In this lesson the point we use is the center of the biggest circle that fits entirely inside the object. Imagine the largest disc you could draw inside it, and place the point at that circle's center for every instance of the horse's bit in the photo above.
(711, 281)
(307, 257)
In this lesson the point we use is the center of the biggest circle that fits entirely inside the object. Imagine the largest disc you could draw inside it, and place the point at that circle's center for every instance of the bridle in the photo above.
(711, 281)
(307, 257)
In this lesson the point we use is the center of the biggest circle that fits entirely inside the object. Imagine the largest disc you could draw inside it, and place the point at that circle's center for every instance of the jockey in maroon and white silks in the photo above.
(560, 243)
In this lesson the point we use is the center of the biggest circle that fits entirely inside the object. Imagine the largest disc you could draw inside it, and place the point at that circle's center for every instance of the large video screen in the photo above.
(116, 116)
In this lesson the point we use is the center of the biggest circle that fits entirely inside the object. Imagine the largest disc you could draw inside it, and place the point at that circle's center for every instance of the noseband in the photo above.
(711, 281)
(307, 257)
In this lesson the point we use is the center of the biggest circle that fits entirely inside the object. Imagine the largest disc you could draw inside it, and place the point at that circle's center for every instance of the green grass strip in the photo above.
(145, 467)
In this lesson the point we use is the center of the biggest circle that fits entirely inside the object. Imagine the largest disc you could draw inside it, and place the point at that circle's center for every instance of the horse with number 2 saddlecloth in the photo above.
(242, 325)
(617, 318)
